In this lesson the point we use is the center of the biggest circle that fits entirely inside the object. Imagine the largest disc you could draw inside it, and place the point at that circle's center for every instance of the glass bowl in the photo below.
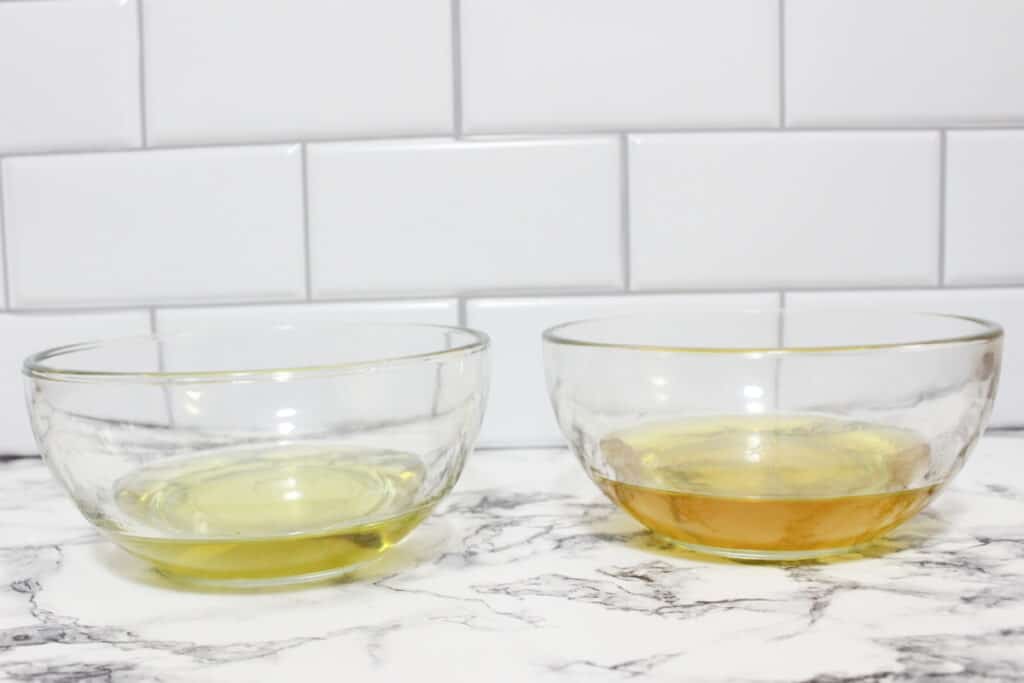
(274, 455)
(773, 435)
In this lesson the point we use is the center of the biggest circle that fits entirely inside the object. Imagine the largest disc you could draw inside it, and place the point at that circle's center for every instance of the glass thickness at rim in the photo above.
(36, 366)
(986, 331)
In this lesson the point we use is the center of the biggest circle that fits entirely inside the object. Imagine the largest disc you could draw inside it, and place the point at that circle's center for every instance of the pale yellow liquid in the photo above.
(759, 485)
(268, 514)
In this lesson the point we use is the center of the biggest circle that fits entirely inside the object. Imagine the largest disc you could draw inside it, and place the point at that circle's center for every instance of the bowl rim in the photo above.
(988, 331)
(35, 366)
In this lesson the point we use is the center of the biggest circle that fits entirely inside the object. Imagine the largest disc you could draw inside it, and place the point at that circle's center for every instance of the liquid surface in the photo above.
(767, 484)
(263, 514)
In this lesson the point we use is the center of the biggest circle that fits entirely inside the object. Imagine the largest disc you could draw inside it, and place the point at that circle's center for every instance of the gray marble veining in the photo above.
(528, 574)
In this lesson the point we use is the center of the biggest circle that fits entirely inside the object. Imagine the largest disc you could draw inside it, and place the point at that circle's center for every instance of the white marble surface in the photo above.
(527, 574)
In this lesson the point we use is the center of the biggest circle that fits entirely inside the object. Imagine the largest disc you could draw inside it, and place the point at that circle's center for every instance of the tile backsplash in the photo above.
(69, 76)
(903, 62)
(212, 224)
(180, 164)
(243, 71)
(539, 66)
(420, 218)
(795, 210)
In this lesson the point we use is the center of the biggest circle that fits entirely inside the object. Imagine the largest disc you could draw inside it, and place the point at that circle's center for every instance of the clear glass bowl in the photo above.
(773, 435)
(264, 456)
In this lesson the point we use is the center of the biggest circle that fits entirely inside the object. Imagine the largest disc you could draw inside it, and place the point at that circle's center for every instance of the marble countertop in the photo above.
(528, 574)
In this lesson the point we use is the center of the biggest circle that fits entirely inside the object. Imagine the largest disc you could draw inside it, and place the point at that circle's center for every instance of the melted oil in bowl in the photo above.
(258, 515)
(767, 486)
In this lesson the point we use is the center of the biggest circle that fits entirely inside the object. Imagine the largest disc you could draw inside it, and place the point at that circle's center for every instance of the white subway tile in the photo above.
(3, 258)
(25, 334)
(878, 62)
(155, 227)
(435, 217)
(750, 210)
(233, 318)
(69, 76)
(573, 65)
(985, 207)
(519, 411)
(235, 70)
(1005, 306)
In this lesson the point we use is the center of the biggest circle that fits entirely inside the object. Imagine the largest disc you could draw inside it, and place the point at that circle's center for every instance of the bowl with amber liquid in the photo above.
(261, 456)
(773, 435)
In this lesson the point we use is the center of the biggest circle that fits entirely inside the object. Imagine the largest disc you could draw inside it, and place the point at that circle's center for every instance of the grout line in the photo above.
(456, 12)
(506, 295)
(782, 63)
(780, 342)
(5, 258)
(218, 304)
(971, 126)
(767, 288)
(160, 366)
(781, 339)
(528, 444)
(1005, 430)
(624, 245)
(143, 128)
(522, 136)
(943, 158)
(305, 222)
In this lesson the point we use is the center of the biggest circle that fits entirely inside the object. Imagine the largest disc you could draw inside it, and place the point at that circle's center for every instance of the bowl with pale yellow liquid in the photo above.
(260, 456)
(773, 435)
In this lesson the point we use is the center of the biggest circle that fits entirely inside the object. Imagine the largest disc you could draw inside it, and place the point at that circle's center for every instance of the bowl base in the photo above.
(763, 555)
(242, 584)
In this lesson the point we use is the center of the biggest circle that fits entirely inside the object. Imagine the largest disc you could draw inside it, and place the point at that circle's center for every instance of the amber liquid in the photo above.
(756, 486)
(260, 515)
